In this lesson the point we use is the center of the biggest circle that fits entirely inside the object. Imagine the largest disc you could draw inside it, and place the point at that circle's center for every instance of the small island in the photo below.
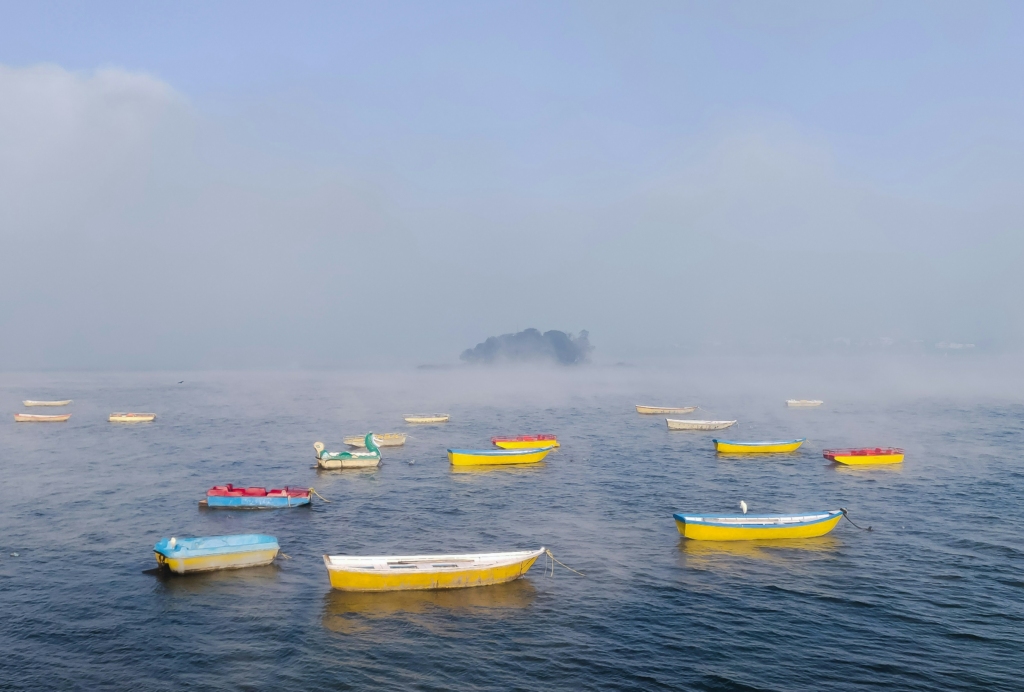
(530, 345)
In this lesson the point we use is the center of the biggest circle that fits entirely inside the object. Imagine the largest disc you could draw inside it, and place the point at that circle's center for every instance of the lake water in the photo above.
(931, 598)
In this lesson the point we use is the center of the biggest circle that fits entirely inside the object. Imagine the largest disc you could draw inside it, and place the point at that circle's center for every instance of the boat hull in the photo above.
(894, 456)
(699, 424)
(492, 457)
(220, 502)
(779, 447)
(383, 440)
(30, 402)
(803, 403)
(210, 553)
(526, 444)
(367, 462)
(209, 563)
(423, 420)
(35, 418)
(345, 579)
(132, 417)
(707, 529)
(648, 410)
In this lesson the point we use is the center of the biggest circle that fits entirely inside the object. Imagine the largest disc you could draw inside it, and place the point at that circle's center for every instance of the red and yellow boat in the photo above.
(865, 456)
(526, 442)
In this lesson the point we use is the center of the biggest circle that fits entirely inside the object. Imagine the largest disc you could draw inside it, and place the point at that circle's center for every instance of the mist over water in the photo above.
(928, 599)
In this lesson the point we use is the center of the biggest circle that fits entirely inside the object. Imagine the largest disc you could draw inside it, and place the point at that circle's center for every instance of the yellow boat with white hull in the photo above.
(490, 457)
(804, 403)
(764, 447)
(415, 572)
(382, 440)
(665, 409)
(425, 418)
(31, 402)
(37, 418)
(719, 527)
(132, 417)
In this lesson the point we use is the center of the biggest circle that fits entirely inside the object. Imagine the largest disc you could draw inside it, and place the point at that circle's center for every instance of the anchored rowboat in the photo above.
(33, 418)
(382, 439)
(230, 497)
(719, 527)
(665, 409)
(184, 555)
(765, 447)
(31, 402)
(674, 424)
(132, 417)
(865, 456)
(482, 457)
(349, 460)
(407, 573)
(525, 442)
(425, 418)
(804, 402)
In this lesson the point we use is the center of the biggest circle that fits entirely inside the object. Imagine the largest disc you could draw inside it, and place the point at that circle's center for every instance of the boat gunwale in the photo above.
(698, 519)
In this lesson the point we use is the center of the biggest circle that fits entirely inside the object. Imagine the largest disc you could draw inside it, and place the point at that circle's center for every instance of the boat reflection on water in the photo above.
(715, 554)
(351, 612)
(503, 468)
(242, 580)
(866, 470)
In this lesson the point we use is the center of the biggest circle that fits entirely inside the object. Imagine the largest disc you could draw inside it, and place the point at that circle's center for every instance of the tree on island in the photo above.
(531, 345)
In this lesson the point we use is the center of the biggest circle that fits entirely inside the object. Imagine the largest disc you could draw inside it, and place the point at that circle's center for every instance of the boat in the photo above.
(526, 442)
(865, 456)
(765, 447)
(230, 497)
(489, 457)
(132, 417)
(349, 460)
(428, 418)
(744, 527)
(674, 424)
(804, 402)
(34, 418)
(206, 553)
(383, 440)
(416, 572)
(665, 409)
(32, 402)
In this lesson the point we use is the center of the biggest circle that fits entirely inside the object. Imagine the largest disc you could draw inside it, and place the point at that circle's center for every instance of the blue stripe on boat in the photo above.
(758, 444)
(255, 502)
(215, 545)
(698, 519)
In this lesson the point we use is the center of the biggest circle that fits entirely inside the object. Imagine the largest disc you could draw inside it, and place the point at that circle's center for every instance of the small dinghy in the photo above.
(34, 418)
(416, 572)
(32, 402)
(185, 555)
(674, 424)
(664, 409)
(383, 440)
(230, 497)
(490, 457)
(428, 418)
(865, 456)
(349, 460)
(764, 447)
(132, 417)
(806, 403)
(746, 527)
(526, 442)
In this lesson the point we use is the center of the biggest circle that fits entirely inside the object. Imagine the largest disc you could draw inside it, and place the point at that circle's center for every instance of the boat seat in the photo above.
(256, 492)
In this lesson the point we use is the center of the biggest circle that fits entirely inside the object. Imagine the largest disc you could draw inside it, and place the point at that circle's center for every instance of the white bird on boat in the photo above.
(743, 506)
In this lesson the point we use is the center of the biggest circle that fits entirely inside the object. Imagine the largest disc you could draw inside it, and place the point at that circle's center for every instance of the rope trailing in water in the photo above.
(843, 510)
(313, 490)
(554, 560)
(286, 557)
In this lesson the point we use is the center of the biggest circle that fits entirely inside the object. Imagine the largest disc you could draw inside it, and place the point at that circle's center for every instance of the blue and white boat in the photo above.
(206, 553)
(230, 497)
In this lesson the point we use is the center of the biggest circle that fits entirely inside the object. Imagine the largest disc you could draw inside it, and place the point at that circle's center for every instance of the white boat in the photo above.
(382, 440)
(665, 409)
(428, 418)
(414, 572)
(804, 402)
(132, 417)
(674, 424)
(35, 418)
(32, 402)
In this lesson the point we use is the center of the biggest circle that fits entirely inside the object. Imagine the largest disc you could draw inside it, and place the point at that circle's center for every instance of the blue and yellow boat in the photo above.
(206, 553)
(490, 457)
(764, 447)
(721, 527)
(230, 497)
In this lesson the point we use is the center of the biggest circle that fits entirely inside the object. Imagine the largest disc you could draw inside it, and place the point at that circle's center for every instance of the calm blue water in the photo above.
(930, 599)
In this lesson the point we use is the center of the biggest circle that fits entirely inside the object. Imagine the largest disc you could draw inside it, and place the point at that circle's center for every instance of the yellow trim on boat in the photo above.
(460, 457)
(867, 459)
(526, 444)
(385, 574)
(206, 563)
(733, 448)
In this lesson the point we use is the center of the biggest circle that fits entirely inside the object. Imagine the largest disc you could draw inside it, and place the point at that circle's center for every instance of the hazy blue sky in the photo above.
(324, 184)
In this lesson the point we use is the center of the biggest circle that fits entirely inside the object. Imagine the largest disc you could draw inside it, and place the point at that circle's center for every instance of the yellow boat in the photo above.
(428, 418)
(767, 447)
(526, 442)
(665, 409)
(718, 527)
(415, 572)
(382, 440)
(132, 417)
(488, 457)
(865, 456)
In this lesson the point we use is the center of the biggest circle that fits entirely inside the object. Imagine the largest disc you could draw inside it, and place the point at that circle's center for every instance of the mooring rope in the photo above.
(313, 490)
(843, 510)
(554, 559)
(286, 557)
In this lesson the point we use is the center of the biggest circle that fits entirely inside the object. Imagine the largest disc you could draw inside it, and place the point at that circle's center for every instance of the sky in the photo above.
(323, 185)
